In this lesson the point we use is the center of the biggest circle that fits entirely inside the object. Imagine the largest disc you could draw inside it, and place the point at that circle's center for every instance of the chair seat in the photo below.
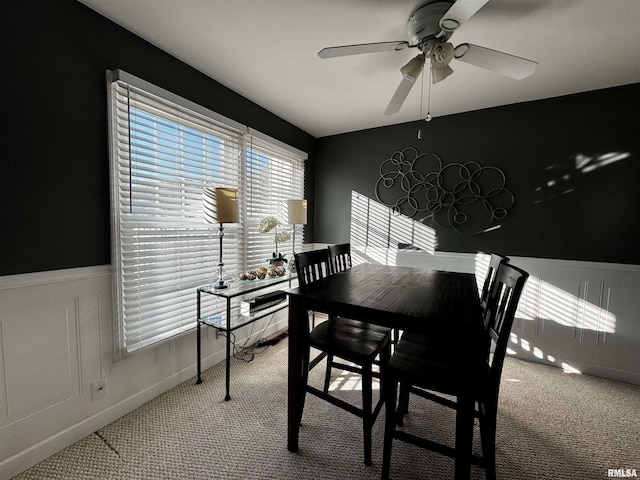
(350, 339)
(427, 362)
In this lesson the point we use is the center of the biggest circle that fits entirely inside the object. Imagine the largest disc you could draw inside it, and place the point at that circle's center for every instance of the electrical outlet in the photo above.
(99, 389)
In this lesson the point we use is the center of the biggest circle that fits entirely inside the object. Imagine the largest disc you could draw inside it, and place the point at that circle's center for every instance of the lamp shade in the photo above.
(220, 205)
(411, 71)
(297, 210)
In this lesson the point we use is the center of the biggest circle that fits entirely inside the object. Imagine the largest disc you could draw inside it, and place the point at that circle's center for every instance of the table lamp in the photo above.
(297, 215)
(220, 206)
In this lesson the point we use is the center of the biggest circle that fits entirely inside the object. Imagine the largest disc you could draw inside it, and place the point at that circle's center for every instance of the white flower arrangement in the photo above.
(267, 224)
(272, 223)
(282, 237)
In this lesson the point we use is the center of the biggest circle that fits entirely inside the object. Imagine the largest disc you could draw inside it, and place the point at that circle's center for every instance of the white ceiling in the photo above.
(266, 50)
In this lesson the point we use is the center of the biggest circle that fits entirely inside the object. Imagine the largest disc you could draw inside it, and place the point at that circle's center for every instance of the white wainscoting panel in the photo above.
(49, 355)
(40, 347)
(578, 316)
(56, 339)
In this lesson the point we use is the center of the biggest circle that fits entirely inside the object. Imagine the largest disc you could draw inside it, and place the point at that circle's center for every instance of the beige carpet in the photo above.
(551, 425)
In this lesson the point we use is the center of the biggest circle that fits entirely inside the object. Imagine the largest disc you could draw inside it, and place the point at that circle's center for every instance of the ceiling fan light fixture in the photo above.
(439, 74)
(411, 71)
(441, 55)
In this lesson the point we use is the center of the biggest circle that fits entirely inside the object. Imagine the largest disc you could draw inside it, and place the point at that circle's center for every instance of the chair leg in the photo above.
(403, 403)
(488, 438)
(327, 375)
(405, 399)
(367, 417)
(305, 378)
(385, 357)
(464, 436)
(390, 393)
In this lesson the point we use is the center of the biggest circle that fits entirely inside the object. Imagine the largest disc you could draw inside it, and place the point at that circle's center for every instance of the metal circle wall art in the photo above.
(466, 197)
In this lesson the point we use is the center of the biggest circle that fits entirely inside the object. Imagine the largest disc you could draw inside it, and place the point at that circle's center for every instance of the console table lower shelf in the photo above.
(235, 316)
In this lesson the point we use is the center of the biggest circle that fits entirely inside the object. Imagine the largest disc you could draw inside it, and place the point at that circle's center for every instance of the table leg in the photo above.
(198, 347)
(464, 437)
(228, 365)
(296, 387)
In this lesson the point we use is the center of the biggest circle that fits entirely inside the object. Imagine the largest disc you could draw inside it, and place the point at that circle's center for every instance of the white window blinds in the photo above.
(273, 177)
(164, 150)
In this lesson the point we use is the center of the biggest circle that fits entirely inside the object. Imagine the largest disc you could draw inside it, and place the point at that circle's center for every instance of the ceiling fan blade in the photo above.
(460, 12)
(400, 96)
(495, 61)
(344, 50)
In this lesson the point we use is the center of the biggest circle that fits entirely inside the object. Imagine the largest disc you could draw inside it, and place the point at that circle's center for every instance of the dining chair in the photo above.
(350, 340)
(438, 368)
(339, 261)
(495, 261)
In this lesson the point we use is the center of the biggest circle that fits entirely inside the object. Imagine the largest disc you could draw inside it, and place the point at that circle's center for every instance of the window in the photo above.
(164, 150)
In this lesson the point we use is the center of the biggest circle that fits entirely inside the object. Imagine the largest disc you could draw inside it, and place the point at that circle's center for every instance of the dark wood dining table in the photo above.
(424, 301)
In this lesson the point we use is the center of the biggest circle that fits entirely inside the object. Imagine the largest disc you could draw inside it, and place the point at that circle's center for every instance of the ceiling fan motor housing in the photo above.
(423, 26)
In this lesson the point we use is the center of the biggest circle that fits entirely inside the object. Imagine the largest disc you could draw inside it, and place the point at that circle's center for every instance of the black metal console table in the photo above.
(233, 317)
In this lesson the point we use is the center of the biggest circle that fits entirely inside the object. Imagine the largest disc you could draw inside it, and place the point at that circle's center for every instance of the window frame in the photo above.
(242, 244)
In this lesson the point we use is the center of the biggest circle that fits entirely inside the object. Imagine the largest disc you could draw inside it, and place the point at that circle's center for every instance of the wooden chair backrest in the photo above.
(494, 262)
(312, 266)
(340, 257)
(499, 314)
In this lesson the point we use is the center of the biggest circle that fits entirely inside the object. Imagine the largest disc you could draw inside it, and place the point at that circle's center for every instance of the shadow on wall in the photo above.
(376, 231)
(567, 317)
(522, 348)
(561, 178)
(544, 302)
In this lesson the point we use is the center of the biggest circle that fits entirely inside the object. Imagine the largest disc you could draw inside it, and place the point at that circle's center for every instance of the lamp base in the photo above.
(220, 284)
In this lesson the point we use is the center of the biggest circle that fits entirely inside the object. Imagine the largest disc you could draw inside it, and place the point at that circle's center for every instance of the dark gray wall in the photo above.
(54, 183)
(54, 186)
(532, 143)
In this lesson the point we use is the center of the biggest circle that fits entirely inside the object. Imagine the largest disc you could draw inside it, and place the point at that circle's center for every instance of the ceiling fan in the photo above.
(429, 28)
